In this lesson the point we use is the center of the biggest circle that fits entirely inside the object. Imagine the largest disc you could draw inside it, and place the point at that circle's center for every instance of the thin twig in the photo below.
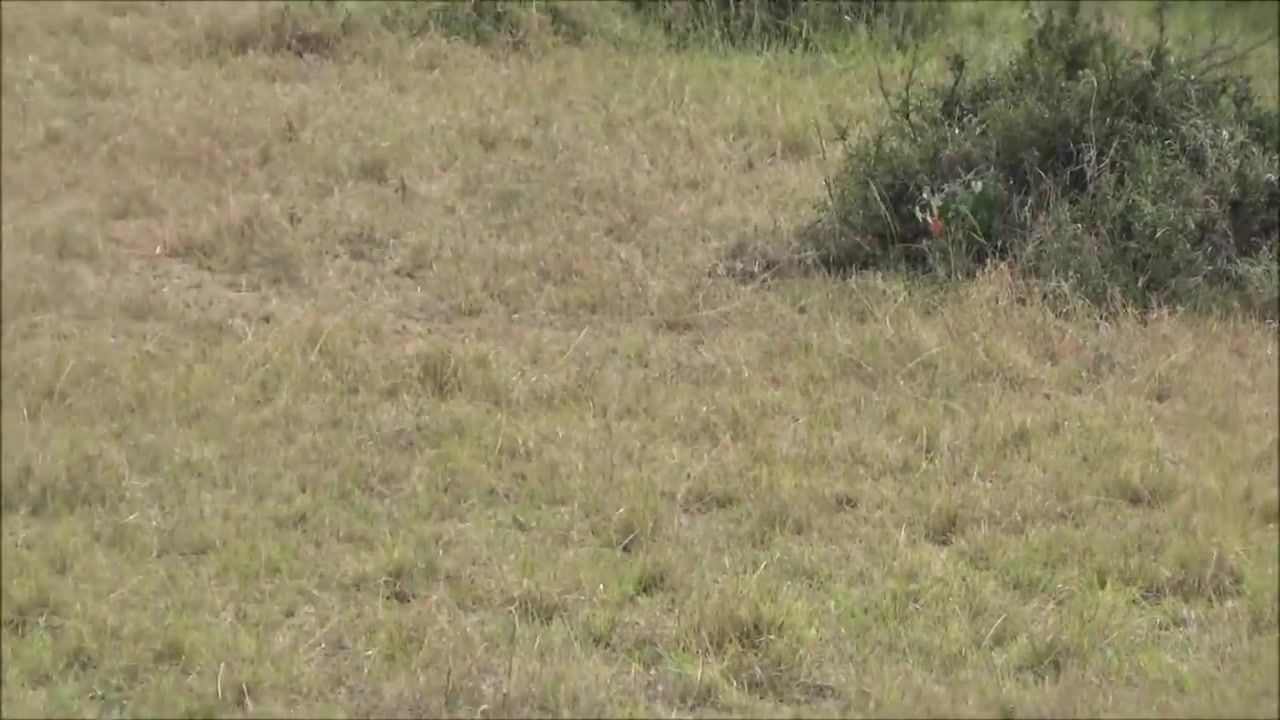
(448, 686)
(906, 93)
(323, 336)
(884, 91)
(913, 363)
(990, 632)
(511, 659)
(713, 311)
(573, 346)
(822, 144)
(1231, 59)
(58, 386)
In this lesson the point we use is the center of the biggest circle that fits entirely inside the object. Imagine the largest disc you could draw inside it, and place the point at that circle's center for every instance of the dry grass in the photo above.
(401, 379)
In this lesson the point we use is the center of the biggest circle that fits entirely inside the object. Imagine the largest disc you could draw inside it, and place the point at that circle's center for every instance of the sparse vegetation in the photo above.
(378, 359)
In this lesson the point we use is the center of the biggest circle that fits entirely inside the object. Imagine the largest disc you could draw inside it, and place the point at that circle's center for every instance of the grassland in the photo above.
(409, 377)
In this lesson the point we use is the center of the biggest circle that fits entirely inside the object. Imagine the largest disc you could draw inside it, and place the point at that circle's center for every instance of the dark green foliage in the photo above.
(788, 24)
(1123, 175)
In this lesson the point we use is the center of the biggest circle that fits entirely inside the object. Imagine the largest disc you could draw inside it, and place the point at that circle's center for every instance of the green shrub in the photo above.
(788, 24)
(1122, 175)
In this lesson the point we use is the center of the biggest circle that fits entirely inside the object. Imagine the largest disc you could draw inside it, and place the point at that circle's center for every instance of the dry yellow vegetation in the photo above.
(404, 377)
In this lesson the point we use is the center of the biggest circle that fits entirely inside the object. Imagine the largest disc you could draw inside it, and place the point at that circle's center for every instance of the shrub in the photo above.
(787, 24)
(1123, 175)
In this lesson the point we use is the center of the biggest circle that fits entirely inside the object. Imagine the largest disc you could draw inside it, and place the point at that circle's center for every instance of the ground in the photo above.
(409, 377)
